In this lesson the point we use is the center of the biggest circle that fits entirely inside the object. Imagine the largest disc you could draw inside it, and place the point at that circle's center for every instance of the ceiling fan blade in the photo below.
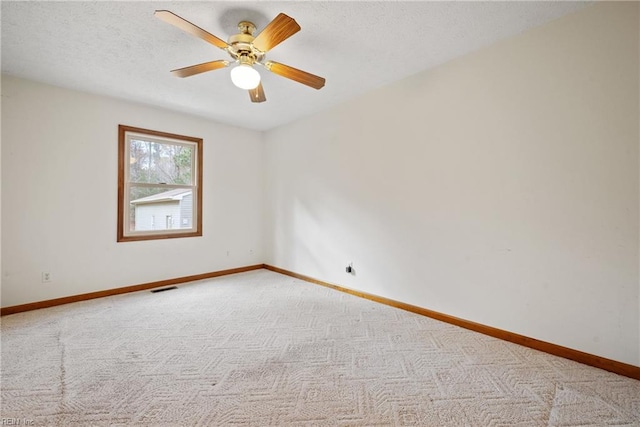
(190, 28)
(281, 28)
(300, 76)
(257, 94)
(200, 68)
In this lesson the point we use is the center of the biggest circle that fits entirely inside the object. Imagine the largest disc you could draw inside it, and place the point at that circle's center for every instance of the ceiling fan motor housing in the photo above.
(241, 47)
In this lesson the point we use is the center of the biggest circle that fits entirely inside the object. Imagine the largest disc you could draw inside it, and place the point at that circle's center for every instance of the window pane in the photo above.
(154, 163)
(156, 208)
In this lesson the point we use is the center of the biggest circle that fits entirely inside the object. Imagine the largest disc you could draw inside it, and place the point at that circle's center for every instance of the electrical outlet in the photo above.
(46, 277)
(350, 269)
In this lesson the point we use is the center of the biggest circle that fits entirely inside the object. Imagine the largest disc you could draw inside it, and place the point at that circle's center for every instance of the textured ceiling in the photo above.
(120, 49)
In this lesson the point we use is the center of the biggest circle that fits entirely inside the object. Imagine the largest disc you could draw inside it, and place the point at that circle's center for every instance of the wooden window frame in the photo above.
(122, 185)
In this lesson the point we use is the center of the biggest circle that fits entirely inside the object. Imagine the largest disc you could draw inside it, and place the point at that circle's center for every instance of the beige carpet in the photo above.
(262, 349)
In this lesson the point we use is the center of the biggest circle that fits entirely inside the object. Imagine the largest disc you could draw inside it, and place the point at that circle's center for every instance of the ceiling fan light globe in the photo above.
(245, 77)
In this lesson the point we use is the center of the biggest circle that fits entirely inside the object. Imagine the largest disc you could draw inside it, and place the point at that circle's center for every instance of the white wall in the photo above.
(59, 195)
(501, 187)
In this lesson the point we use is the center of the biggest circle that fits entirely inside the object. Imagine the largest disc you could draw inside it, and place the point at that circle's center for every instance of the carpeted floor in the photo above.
(261, 349)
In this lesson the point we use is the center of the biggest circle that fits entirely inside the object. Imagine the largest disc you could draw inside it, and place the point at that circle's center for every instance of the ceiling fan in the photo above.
(247, 51)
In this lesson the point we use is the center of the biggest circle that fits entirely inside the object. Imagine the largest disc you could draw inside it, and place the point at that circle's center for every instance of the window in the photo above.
(159, 185)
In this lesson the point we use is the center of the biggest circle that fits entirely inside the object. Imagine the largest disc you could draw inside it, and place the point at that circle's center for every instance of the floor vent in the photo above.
(163, 289)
